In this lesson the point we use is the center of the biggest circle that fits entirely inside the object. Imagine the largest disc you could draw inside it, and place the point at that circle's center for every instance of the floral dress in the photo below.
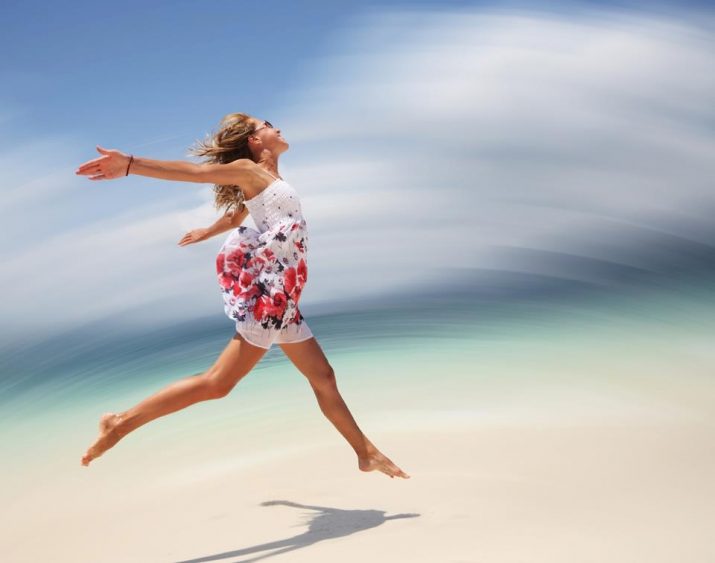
(262, 272)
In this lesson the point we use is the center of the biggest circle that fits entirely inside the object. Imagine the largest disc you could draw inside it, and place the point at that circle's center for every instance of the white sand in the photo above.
(548, 450)
(552, 472)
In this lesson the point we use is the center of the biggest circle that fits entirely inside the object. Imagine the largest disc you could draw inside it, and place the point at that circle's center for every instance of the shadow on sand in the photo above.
(327, 523)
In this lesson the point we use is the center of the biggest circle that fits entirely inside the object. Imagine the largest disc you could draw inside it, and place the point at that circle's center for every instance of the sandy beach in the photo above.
(546, 454)
(496, 219)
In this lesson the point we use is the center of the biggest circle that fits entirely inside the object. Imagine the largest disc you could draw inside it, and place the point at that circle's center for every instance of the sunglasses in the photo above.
(266, 125)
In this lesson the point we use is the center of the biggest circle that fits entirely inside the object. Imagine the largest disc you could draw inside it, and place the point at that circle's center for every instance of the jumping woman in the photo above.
(261, 274)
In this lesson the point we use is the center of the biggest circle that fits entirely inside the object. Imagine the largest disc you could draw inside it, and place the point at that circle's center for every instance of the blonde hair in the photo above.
(229, 143)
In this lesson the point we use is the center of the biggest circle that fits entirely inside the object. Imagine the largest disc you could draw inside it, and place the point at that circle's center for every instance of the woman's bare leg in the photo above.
(308, 357)
(237, 359)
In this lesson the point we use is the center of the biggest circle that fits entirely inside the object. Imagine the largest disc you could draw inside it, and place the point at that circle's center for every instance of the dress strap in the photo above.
(271, 175)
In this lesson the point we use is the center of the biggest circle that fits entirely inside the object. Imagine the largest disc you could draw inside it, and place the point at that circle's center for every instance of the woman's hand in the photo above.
(112, 164)
(197, 235)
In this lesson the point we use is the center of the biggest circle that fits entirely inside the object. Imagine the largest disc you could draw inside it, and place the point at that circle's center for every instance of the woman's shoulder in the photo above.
(242, 172)
(255, 180)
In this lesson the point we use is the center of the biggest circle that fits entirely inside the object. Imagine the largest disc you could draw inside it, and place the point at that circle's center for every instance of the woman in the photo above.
(261, 275)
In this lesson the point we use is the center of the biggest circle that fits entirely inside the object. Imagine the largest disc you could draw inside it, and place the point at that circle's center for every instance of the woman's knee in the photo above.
(218, 384)
(323, 379)
(232, 365)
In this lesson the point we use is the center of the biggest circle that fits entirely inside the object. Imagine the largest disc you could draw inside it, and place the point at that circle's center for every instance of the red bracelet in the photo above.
(130, 163)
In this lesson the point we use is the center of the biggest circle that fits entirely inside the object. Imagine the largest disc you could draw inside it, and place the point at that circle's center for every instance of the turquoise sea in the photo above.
(426, 352)
(464, 371)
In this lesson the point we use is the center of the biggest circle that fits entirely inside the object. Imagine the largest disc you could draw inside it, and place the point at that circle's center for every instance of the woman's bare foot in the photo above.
(108, 436)
(375, 460)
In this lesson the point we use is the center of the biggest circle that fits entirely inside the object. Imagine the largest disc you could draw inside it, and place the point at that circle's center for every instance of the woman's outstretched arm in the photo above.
(116, 164)
(225, 223)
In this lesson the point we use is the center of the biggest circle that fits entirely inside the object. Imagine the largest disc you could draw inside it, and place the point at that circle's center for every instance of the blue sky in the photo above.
(104, 70)
(486, 137)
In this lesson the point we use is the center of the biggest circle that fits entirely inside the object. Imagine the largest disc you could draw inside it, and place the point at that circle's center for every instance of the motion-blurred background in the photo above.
(509, 209)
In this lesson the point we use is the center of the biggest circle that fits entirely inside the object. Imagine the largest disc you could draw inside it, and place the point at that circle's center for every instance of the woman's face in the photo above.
(268, 137)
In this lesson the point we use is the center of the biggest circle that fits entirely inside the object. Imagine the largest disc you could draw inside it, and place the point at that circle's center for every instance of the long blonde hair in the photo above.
(229, 143)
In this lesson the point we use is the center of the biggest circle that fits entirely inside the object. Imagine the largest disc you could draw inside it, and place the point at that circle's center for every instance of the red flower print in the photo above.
(250, 293)
(245, 279)
(254, 262)
(235, 262)
(260, 309)
(289, 280)
(263, 272)
(276, 307)
(302, 272)
(225, 280)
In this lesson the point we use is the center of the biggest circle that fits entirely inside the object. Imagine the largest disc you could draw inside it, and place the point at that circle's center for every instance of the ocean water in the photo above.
(425, 362)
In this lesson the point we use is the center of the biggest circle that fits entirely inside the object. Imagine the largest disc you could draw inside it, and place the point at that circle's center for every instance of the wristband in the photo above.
(130, 163)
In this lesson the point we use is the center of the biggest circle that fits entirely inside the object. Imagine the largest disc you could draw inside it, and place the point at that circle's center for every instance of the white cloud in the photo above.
(433, 140)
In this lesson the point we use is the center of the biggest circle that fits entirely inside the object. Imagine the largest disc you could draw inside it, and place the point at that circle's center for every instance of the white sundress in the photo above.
(262, 272)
